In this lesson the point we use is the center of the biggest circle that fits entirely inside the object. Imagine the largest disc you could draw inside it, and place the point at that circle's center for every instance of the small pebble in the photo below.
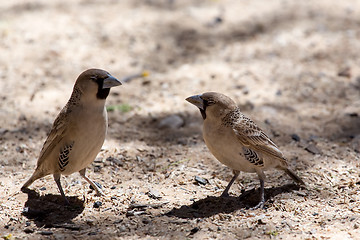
(145, 220)
(201, 180)
(134, 213)
(194, 230)
(261, 222)
(218, 19)
(28, 230)
(47, 233)
(115, 161)
(97, 184)
(97, 204)
(295, 137)
(97, 168)
(345, 72)
(90, 222)
(42, 189)
(122, 228)
(3, 131)
(172, 121)
(154, 194)
(302, 194)
(245, 91)
(353, 114)
(313, 149)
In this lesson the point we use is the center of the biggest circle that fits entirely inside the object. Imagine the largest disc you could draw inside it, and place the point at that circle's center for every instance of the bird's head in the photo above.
(96, 83)
(212, 104)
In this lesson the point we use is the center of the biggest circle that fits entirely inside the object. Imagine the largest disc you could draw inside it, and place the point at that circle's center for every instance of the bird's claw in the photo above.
(259, 205)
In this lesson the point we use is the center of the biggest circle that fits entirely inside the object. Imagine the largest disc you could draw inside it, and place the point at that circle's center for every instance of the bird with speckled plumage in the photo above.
(236, 141)
(78, 132)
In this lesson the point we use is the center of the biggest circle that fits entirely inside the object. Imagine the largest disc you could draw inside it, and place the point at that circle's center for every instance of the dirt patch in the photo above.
(292, 67)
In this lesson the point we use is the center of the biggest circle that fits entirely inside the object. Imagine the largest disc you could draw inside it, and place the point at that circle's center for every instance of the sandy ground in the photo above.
(293, 67)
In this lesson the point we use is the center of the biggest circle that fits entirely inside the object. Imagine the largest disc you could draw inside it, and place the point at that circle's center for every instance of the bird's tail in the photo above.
(295, 177)
(36, 175)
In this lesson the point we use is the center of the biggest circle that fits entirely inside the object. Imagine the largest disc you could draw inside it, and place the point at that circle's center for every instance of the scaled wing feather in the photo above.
(251, 136)
(55, 136)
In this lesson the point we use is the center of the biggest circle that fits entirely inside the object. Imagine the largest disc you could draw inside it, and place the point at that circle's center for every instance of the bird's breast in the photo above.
(224, 145)
(88, 136)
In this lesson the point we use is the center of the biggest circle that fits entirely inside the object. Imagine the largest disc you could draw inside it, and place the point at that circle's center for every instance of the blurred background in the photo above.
(292, 66)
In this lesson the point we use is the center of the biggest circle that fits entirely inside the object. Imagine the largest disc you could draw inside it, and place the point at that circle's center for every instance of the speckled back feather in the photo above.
(251, 136)
(59, 126)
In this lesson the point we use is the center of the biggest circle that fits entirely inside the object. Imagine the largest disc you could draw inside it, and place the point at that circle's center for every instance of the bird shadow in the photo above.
(212, 205)
(50, 210)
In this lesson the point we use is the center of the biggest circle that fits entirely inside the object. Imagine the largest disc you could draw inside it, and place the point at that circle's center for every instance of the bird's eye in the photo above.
(209, 102)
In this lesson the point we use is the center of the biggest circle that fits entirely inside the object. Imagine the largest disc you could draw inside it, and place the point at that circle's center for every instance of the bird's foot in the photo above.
(259, 205)
(25, 189)
(225, 195)
(66, 202)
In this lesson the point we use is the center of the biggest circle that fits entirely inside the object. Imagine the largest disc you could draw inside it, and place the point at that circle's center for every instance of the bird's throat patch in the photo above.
(203, 113)
(103, 93)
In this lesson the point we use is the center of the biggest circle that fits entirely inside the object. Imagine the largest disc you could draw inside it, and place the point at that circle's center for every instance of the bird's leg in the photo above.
(262, 178)
(98, 190)
(57, 180)
(226, 191)
(262, 196)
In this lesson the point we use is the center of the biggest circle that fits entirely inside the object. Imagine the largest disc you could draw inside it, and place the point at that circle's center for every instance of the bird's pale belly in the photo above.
(80, 159)
(87, 145)
(228, 150)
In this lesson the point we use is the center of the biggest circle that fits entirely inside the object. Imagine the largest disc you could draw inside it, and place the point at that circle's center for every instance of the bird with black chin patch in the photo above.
(236, 141)
(78, 131)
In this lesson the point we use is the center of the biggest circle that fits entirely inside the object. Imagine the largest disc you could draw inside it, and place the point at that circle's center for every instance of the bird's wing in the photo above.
(253, 157)
(252, 137)
(55, 136)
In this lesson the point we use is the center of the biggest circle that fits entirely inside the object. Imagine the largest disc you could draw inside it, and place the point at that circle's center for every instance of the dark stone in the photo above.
(313, 149)
(295, 137)
(46, 233)
(28, 230)
(97, 184)
(201, 180)
(345, 72)
(116, 161)
(97, 204)
(194, 230)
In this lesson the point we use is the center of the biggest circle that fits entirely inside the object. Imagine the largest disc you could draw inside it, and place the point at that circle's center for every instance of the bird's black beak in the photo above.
(197, 101)
(110, 82)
